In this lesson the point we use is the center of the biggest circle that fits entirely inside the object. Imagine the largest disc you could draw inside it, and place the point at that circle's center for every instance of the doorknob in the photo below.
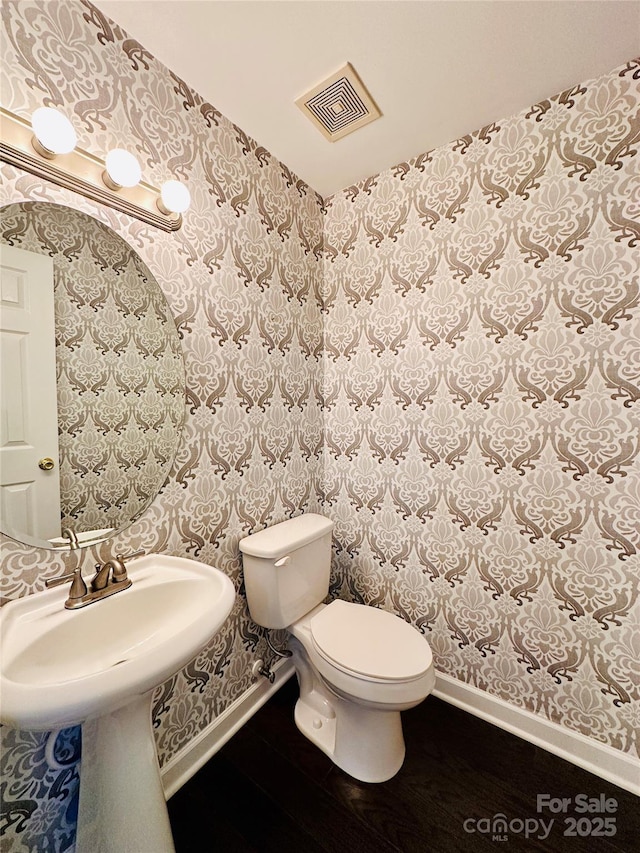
(46, 463)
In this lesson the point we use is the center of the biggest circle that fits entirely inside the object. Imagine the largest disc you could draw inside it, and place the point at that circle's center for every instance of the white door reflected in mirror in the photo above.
(29, 459)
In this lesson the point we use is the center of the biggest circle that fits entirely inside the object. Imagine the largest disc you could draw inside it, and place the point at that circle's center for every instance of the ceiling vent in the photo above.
(339, 105)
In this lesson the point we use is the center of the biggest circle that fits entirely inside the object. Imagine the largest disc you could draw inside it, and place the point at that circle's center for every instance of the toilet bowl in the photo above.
(358, 667)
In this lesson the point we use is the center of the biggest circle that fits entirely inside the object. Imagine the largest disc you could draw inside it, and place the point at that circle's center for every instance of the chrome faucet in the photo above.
(110, 577)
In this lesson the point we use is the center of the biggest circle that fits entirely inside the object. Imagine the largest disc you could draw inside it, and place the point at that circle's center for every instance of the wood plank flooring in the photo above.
(270, 789)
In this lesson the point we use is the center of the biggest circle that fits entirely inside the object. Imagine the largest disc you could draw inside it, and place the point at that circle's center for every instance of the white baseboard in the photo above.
(190, 759)
(598, 758)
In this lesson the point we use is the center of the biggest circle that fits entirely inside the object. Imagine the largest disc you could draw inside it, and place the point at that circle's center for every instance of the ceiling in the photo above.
(437, 69)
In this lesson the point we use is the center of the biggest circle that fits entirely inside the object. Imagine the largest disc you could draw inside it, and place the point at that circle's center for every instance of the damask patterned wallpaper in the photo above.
(478, 399)
(241, 278)
(482, 364)
(120, 375)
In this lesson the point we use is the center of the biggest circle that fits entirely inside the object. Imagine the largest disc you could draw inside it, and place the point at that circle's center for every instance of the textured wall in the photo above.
(241, 279)
(120, 375)
(482, 357)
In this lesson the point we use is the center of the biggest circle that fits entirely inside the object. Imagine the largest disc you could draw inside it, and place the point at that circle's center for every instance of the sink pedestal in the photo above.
(122, 805)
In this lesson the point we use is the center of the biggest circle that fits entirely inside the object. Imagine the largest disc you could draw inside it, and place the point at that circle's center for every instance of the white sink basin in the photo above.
(61, 667)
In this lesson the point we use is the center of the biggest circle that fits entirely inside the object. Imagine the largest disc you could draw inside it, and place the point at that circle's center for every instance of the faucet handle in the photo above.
(123, 557)
(78, 586)
(119, 570)
(59, 580)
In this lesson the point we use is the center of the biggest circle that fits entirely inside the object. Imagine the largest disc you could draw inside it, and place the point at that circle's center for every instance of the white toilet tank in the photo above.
(287, 568)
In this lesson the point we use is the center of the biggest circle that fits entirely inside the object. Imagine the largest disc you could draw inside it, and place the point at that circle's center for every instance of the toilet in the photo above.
(358, 667)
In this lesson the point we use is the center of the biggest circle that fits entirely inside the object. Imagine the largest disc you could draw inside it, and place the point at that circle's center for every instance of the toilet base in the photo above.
(367, 743)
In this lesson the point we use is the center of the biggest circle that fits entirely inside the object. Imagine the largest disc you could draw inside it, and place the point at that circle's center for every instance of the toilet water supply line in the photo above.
(261, 668)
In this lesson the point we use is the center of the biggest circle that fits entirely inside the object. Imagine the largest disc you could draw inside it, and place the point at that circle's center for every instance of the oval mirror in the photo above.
(92, 379)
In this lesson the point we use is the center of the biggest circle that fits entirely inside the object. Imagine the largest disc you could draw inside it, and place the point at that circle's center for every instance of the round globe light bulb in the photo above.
(175, 196)
(53, 131)
(123, 168)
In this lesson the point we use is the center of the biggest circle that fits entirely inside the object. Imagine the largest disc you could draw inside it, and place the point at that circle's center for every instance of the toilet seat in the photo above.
(369, 643)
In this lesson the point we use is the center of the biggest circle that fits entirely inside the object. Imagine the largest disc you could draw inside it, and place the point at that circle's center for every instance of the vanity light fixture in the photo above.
(47, 148)
(123, 170)
(53, 133)
(174, 197)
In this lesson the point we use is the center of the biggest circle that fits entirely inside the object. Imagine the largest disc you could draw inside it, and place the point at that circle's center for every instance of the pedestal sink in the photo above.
(98, 666)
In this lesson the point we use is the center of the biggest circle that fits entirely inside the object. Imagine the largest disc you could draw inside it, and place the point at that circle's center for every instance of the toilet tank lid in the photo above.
(274, 542)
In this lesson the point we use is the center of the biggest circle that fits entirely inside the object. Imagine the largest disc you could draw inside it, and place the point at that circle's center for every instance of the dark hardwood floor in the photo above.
(270, 789)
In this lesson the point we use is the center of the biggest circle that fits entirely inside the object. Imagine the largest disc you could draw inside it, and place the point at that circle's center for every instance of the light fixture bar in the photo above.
(81, 172)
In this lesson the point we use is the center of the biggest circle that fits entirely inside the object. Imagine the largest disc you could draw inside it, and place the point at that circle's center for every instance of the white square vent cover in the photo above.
(339, 105)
